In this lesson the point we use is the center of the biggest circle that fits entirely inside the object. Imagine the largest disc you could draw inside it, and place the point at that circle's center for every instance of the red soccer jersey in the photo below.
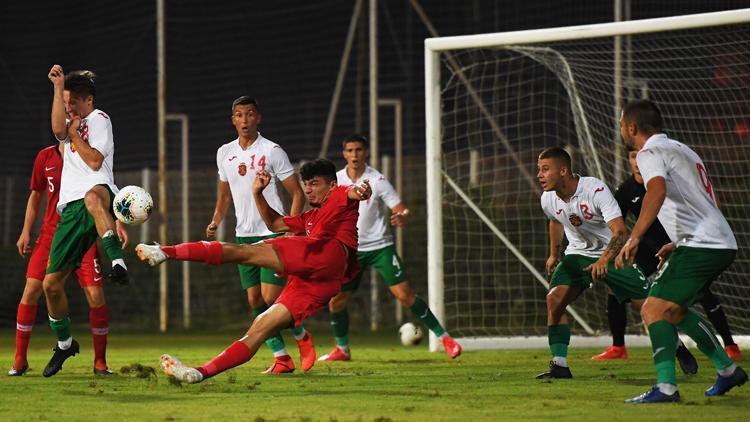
(46, 176)
(336, 218)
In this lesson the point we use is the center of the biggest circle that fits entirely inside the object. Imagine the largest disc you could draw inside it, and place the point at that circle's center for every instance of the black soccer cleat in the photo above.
(103, 372)
(555, 371)
(119, 275)
(687, 361)
(58, 358)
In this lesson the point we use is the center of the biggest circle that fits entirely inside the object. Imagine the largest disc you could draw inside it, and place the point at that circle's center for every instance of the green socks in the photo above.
(112, 245)
(61, 328)
(559, 339)
(663, 345)
(421, 311)
(698, 330)
(340, 326)
(275, 342)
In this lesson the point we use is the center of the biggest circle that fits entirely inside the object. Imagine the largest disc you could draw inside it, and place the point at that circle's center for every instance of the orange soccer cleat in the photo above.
(281, 365)
(306, 351)
(452, 348)
(734, 352)
(336, 354)
(612, 352)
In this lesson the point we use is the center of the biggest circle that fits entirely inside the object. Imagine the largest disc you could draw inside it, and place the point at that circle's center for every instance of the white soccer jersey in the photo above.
(77, 177)
(585, 216)
(239, 166)
(373, 225)
(689, 213)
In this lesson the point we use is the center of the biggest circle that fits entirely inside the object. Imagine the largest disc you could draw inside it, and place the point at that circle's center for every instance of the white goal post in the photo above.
(493, 101)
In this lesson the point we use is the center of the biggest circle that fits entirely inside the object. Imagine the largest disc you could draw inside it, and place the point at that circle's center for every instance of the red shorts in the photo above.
(316, 268)
(89, 274)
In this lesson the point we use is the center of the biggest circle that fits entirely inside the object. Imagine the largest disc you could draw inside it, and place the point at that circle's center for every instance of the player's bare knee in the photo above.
(404, 294)
(338, 302)
(95, 296)
(254, 298)
(92, 200)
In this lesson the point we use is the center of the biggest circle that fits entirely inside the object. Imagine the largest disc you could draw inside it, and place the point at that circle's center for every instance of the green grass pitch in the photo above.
(385, 381)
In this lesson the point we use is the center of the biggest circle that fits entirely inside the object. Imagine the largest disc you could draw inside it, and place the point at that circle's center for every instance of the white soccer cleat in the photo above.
(151, 253)
(175, 369)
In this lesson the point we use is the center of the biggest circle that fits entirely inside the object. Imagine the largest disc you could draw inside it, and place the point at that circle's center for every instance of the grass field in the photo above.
(385, 381)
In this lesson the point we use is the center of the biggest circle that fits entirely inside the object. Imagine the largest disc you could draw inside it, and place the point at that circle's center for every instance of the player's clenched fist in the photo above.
(363, 191)
(73, 127)
(56, 75)
(262, 179)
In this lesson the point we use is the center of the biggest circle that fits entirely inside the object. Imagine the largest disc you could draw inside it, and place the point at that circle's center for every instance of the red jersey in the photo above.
(336, 218)
(46, 176)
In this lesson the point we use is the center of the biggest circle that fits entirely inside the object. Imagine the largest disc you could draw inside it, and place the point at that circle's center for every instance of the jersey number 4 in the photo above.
(261, 162)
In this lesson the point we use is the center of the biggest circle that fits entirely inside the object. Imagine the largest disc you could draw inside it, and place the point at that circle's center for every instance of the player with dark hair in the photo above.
(629, 197)
(680, 194)
(376, 249)
(87, 190)
(238, 163)
(583, 210)
(46, 177)
(316, 262)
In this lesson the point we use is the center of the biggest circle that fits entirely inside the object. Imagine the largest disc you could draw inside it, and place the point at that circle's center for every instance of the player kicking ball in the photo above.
(680, 194)
(317, 262)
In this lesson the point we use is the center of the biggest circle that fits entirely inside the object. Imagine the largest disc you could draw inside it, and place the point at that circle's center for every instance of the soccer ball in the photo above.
(133, 205)
(410, 334)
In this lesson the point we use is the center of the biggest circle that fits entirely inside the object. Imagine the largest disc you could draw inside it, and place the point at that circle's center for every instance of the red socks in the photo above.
(236, 354)
(24, 323)
(202, 251)
(99, 320)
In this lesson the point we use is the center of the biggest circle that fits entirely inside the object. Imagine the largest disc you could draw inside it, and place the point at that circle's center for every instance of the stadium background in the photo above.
(286, 53)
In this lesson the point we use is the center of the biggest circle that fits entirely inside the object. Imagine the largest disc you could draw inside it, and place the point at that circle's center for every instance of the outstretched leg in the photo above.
(213, 253)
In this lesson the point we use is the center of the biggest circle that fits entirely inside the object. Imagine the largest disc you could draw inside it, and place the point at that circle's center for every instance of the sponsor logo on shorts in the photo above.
(97, 278)
(636, 199)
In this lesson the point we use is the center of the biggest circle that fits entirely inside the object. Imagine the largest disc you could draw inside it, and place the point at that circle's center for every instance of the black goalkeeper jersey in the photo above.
(630, 198)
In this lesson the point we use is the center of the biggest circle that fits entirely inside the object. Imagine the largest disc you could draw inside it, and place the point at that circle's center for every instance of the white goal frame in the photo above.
(434, 47)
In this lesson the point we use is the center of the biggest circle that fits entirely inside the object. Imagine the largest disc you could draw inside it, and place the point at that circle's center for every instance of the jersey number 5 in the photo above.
(49, 183)
(705, 181)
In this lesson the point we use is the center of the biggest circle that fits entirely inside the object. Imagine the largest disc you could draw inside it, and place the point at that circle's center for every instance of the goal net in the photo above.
(494, 101)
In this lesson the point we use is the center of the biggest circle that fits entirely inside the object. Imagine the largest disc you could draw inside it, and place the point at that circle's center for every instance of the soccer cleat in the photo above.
(281, 365)
(452, 348)
(173, 368)
(724, 384)
(555, 371)
(151, 253)
(306, 351)
(58, 358)
(733, 351)
(687, 361)
(13, 372)
(612, 352)
(103, 372)
(119, 275)
(654, 395)
(335, 354)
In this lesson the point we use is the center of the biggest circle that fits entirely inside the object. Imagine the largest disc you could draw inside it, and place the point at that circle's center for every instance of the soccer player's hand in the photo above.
(399, 218)
(211, 229)
(551, 264)
(24, 244)
(262, 179)
(598, 269)
(57, 76)
(627, 253)
(73, 126)
(121, 233)
(664, 253)
(364, 190)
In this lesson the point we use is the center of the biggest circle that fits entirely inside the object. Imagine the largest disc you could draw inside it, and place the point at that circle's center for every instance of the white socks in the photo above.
(560, 361)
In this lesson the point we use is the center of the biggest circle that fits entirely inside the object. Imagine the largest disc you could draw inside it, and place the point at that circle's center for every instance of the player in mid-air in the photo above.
(87, 189)
(629, 196)
(317, 261)
(680, 194)
(46, 177)
(376, 249)
(238, 163)
(584, 210)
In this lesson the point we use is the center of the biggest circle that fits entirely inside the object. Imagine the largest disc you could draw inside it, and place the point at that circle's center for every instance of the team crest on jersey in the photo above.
(242, 169)
(575, 220)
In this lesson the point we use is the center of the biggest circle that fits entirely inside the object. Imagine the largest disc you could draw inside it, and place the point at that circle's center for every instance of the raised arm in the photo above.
(59, 126)
(274, 221)
(220, 211)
